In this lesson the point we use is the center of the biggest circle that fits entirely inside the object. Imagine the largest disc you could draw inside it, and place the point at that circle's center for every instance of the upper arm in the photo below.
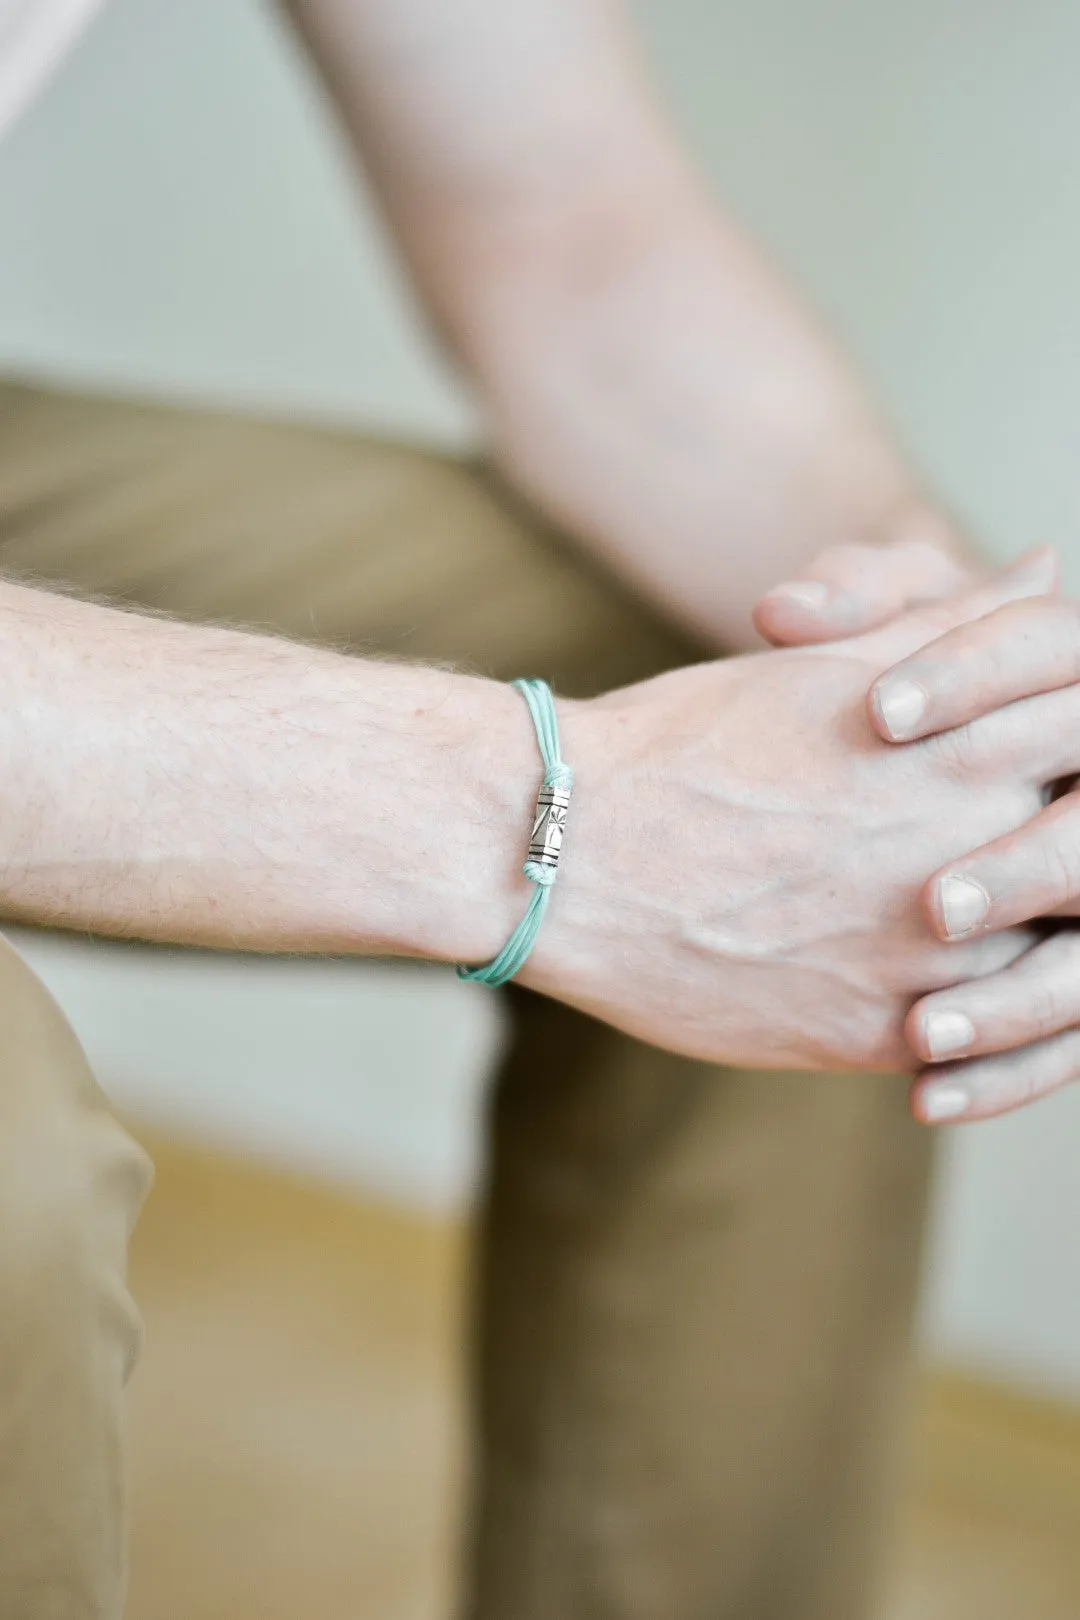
(510, 143)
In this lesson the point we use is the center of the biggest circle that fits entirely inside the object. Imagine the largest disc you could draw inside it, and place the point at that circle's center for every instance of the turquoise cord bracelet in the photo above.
(545, 844)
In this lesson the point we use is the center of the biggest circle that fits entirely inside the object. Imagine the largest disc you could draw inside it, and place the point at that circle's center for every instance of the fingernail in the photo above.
(901, 705)
(805, 593)
(940, 1103)
(964, 903)
(947, 1032)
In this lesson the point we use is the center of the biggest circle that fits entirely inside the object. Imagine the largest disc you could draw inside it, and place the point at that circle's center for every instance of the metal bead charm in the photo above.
(545, 845)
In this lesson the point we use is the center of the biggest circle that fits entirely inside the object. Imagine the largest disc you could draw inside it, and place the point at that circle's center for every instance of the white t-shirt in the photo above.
(34, 35)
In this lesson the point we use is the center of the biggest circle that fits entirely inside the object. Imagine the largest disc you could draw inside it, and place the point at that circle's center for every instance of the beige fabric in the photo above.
(71, 1184)
(693, 1286)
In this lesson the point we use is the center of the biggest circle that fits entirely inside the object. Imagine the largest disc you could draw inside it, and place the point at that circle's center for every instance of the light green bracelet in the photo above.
(545, 844)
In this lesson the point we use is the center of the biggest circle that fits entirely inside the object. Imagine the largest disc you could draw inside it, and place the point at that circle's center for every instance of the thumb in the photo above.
(850, 589)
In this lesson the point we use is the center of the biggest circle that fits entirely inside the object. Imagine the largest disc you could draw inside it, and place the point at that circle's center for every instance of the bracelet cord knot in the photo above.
(545, 845)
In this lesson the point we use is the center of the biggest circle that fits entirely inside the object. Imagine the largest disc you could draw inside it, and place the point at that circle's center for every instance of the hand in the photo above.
(849, 589)
(744, 856)
(1016, 1033)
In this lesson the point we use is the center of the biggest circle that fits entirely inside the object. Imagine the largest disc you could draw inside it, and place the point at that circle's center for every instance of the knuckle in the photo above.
(1052, 984)
(991, 659)
(1046, 1012)
(995, 648)
(873, 1036)
(1060, 868)
(962, 749)
(884, 1047)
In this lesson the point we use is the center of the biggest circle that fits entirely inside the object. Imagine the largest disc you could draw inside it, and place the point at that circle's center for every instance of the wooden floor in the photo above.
(296, 1426)
(992, 1522)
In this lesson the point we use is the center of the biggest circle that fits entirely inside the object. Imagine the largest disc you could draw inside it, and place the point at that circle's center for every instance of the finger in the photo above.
(849, 589)
(983, 1088)
(982, 957)
(1036, 998)
(1035, 574)
(1021, 876)
(1023, 648)
(1036, 739)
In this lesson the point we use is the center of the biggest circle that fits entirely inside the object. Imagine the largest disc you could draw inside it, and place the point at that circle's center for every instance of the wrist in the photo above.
(656, 869)
(594, 904)
(506, 799)
(481, 771)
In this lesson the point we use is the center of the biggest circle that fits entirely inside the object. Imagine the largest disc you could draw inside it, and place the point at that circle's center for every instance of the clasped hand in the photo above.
(992, 1040)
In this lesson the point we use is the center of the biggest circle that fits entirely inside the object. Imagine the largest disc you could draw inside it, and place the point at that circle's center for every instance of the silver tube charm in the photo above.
(545, 845)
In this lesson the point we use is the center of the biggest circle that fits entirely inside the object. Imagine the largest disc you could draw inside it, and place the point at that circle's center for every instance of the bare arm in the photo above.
(211, 787)
(649, 379)
(208, 786)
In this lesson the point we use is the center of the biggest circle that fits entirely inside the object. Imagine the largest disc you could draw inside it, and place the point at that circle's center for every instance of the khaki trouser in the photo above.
(694, 1284)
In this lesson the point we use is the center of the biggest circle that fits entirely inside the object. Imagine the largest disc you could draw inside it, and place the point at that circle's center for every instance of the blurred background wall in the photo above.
(177, 216)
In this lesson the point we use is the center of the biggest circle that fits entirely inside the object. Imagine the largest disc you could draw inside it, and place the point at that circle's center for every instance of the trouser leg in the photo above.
(71, 1184)
(695, 1293)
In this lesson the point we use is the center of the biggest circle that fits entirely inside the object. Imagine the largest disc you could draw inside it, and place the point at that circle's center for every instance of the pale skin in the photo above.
(647, 377)
(1031, 873)
(653, 385)
(745, 859)
(1006, 1040)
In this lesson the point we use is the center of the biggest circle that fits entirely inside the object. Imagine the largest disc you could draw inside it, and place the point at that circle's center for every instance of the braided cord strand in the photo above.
(560, 776)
